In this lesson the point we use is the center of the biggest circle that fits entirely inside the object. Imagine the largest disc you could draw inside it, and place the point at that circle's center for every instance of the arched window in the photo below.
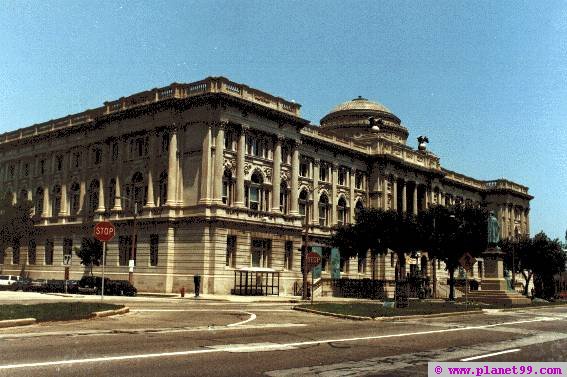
(162, 188)
(358, 207)
(56, 201)
(255, 197)
(38, 201)
(341, 211)
(303, 203)
(138, 192)
(227, 187)
(324, 210)
(23, 196)
(92, 197)
(74, 197)
(284, 198)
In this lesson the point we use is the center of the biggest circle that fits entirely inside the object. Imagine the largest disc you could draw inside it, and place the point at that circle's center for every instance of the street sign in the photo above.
(467, 261)
(104, 231)
(312, 260)
(67, 260)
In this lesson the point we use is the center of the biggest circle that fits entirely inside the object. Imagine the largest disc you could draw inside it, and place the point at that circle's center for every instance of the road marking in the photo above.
(275, 346)
(253, 347)
(399, 363)
(252, 317)
(490, 354)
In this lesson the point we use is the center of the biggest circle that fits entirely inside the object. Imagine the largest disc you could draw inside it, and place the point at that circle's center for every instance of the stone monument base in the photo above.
(494, 286)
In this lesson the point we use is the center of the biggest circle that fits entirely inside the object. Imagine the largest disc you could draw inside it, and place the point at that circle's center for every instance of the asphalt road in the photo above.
(183, 338)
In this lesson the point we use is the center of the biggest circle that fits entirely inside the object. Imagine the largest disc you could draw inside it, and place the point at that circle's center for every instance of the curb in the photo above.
(108, 313)
(328, 314)
(392, 318)
(17, 322)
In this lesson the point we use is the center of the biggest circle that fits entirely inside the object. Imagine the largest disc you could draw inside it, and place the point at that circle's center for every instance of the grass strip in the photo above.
(59, 311)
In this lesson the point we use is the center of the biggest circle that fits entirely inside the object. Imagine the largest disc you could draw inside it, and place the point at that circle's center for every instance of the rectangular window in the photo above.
(358, 180)
(304, 168)
(288, 255)
(67, 246)
(42, 166)
(76, 159)
(26, 169)
(59, 163)
(324, 172)
(342, 176)
(115, 150)
(164, 143)
(154, 247)
(231, 251)
(124, 246)
(49, 252)
(228, 141)
(261, 253)
(31, 252)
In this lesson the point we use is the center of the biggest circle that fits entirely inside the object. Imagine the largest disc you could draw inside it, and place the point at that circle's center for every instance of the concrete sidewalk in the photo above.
(12, 297)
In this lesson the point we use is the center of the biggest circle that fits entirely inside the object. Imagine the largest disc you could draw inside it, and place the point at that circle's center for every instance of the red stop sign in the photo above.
(312, 260)
(104, 231)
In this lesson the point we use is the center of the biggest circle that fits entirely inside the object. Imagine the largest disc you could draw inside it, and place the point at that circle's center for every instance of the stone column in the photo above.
(385, 192)
(150, 201)
(414, 204)
(82, 192)
(240, 158)
(46, 206)
(426, 197)
(276, 174)
(63, 209)
(316, 171)
(117, 200)
(295, 180)
(395, 193)
(352, 197)
(333, 198)
(219, 164)
(172, 169)
(100, 195)
(404, 197)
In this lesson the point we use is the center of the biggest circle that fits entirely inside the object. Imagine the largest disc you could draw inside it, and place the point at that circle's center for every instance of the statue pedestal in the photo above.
(494, 286)
(493, 279)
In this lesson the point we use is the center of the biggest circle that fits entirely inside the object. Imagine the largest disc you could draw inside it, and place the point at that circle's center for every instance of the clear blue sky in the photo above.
(485, 80)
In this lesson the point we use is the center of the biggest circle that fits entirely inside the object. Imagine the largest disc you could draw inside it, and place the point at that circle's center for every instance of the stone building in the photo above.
(213, 176)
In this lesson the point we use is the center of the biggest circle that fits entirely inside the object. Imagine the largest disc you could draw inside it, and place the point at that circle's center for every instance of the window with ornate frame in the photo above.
(342, 211)
(324, 210)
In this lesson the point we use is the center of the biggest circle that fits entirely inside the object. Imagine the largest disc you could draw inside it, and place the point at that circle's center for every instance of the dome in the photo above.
(360, 103)
(355, 119)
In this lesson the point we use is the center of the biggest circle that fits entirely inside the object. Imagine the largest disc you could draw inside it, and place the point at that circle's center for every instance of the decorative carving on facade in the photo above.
(247, 168)
(268, 173)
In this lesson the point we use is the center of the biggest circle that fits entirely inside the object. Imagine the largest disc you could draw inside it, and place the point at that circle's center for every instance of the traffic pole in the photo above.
(103, 264)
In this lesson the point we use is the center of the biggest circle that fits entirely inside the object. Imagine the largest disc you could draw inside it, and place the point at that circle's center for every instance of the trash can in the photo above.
(197, 281)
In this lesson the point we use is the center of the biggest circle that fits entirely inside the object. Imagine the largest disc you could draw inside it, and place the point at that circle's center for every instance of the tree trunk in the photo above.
(527, 279)
(452, 284)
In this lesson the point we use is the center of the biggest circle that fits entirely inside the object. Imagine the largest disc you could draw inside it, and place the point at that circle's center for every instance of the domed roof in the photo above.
(360, 103)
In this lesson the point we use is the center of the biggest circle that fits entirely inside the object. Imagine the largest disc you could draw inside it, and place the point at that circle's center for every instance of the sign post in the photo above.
(67, 263)
(312, 260)
(104, 231)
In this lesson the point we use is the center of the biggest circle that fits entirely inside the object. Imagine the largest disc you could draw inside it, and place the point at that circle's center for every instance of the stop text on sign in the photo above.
(104, 231)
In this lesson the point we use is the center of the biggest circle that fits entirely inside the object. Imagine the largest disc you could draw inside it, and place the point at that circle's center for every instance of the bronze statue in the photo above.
(493, 230)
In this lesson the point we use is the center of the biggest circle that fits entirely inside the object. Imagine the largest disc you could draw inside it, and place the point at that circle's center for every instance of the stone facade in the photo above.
(214, 176)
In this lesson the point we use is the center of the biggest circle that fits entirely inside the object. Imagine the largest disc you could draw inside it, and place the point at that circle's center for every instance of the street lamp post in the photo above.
(131, 260)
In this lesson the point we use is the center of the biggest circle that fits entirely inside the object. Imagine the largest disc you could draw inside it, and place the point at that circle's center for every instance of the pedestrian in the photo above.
(197, 281)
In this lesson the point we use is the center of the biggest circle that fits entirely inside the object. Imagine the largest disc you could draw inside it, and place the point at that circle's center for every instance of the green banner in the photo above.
(335, 263)
(317, 270)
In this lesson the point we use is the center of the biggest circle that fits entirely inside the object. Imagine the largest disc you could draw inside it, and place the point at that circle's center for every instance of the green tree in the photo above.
(519, 257)
(548, 259)
(16, 224)
(90, 253)
(449, 232)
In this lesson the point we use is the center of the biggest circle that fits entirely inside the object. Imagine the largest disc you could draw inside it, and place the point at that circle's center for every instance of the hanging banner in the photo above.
(335, 263)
